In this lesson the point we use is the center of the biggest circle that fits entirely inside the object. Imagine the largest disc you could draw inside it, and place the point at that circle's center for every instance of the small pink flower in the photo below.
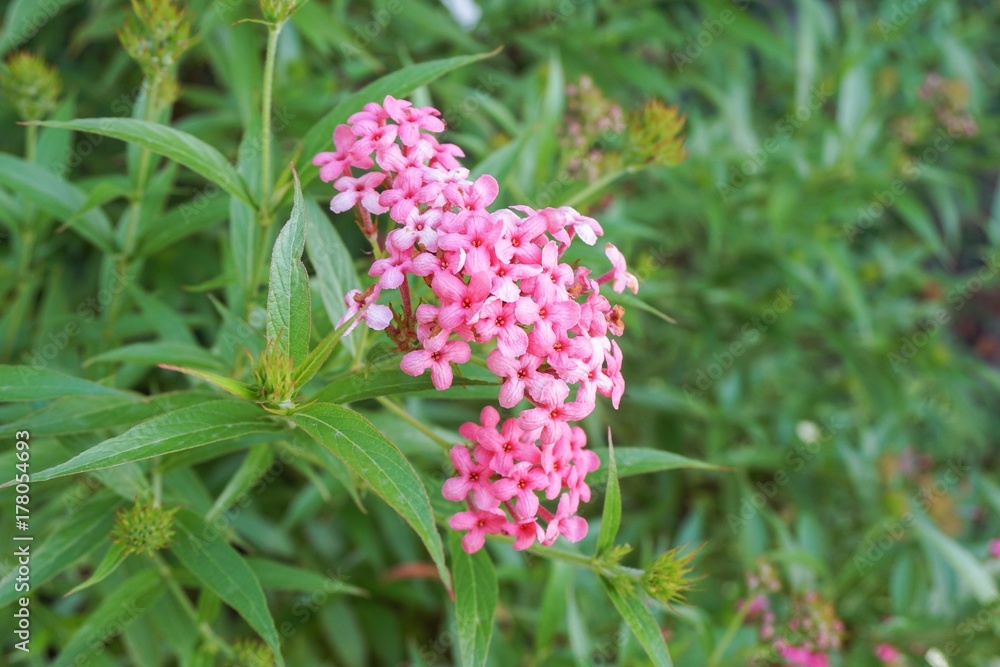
(473, 477)
(519, 245)
(995, 548)
(454, 351)
(335, 164)
(391, 270)
(372, 138)
(549, 318)
(361, 189)
(474, 198)
(373, 314)
(408, 190)
(479, 524)
(521, 482)
(497, 320)
(477, 240)
(798, 656)
(516, 374)
(565, 523)
(505, 280)
(620, 276)
(525, 532)
(552, 412)
(888, 654)
(460, 302)
(508, 448)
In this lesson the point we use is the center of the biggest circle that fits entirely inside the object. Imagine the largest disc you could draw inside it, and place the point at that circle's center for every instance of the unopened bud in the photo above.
(31, 85)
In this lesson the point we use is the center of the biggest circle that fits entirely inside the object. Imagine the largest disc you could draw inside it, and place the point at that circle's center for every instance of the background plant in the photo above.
(826, 250)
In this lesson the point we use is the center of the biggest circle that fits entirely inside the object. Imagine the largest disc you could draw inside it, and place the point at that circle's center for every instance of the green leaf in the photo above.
(24, 383)
(641, 621)
(198, 425)
(354, 440)
(384, 382)
(114, 557)
(85, 414)
(335, 275)
(160, 352)
(57, 197)
(171, 143)
(222, 570)
(234, 387)
(398, 84)
(976, 578)
(82, 530)
(128, 601)
(280, 577)
(288, 303)
(640, 460)
(612, 516)
(475, 601)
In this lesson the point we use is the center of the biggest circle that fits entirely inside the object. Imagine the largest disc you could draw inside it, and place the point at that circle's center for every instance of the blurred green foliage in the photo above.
(828, 250)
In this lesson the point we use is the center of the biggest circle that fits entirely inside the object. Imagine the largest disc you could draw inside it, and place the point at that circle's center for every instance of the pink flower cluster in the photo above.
(494, 276)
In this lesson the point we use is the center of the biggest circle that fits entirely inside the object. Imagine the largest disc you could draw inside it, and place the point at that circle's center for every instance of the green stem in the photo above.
(273, 30)
(31, 143)
(265, 215)
(27, 238)
(415, 423)
(135, 207)
(731, 630)
(204, 628)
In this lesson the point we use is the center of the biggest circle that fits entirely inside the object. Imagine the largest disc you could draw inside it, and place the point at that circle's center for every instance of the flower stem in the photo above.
(731, 629)
(265, 215)
(151, 114)
(273, 30)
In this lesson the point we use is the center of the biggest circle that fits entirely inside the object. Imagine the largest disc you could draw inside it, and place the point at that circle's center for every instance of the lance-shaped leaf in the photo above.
(57, 197)
(24, 383)
(129, 601)
(612, 515)
(632, 461)
(80, 533)
(222, 570)
(475, 601)
(354, 440)
(641, 621)
(181, 147)
(196, 426)
(288, 303)
(391, 382)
